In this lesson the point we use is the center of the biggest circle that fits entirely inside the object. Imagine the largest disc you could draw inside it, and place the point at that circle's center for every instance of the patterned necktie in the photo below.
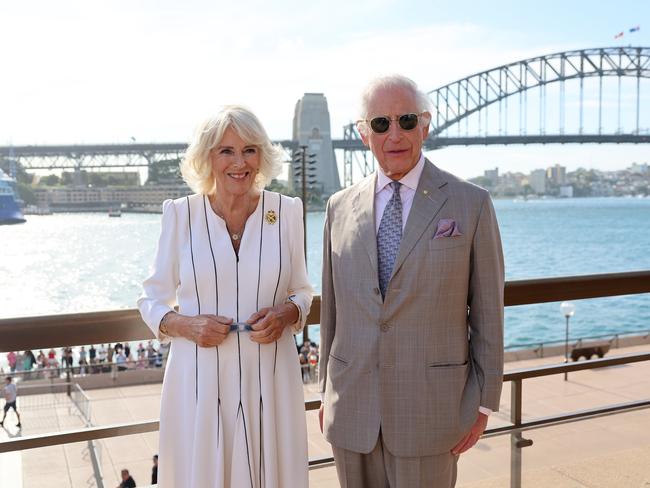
(389, 236)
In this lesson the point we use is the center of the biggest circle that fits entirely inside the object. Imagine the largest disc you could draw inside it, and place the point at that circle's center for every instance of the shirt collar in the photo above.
(410, 179)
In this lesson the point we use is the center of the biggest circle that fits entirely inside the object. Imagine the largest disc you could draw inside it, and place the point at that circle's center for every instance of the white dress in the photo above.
(232, 415)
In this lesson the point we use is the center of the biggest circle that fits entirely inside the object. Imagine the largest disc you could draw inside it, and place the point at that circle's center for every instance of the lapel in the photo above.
(364, 210)
(427, 202)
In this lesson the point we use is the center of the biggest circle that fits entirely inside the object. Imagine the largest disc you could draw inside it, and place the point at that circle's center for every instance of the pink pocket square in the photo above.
(447, 228)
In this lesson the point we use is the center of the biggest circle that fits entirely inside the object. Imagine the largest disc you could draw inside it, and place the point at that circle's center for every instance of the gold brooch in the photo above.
(270, 217)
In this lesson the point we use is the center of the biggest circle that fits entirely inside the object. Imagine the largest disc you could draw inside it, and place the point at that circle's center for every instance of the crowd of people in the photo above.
(308, 355)
(84, 361)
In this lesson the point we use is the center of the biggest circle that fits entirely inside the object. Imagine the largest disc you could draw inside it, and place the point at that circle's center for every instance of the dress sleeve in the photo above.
(159, 289)
(300, 292)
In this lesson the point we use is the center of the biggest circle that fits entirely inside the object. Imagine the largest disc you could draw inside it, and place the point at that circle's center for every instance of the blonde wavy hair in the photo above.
(196, 167)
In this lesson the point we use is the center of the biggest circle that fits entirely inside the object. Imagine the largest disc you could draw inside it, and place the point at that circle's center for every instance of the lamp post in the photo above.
(303, 172)
(303, 168)
(567, 309)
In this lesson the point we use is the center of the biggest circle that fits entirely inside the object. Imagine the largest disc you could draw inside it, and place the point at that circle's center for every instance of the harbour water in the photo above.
(67, 263)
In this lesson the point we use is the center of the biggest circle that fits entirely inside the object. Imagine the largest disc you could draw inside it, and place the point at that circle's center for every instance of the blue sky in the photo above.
(106, 71)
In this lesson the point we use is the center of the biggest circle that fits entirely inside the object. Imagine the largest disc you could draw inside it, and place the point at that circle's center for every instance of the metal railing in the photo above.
(614, 340)
(82, 402)
(126, 325)
(69, 373)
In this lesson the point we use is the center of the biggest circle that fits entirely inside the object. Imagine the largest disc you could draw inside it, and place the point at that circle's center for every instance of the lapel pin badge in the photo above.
(426, 192)
(271, 217)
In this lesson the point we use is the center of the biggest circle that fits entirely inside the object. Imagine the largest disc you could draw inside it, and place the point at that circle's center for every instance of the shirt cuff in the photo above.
(485, 411)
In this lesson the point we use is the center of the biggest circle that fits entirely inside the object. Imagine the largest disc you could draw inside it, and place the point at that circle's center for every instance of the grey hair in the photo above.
(393, 81)
(196, 167)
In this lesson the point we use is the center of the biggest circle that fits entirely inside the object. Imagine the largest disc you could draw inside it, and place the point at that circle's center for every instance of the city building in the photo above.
(148, 197)
(556, 174)
(566, 191)
(492, 175)
(537, 181)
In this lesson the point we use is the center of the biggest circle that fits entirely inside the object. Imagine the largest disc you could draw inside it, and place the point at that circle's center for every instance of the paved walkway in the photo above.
(608, 452)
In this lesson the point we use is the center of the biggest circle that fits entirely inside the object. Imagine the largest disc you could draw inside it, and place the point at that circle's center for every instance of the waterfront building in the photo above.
(556, 175)
(566, 191)
(147, 197)
(492, 175)
(537, 181)
(639, 169)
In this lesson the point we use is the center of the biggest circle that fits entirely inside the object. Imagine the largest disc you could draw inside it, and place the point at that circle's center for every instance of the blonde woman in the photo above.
(231, 256)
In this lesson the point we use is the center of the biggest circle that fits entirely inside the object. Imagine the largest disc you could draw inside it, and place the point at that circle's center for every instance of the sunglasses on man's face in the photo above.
(381, 124)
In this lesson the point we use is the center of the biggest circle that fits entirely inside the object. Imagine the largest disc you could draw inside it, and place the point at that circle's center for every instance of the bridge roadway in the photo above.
(55, 156)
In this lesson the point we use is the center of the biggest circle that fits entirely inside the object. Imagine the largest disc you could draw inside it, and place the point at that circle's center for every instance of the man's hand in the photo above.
(472, 436)
(320, 417)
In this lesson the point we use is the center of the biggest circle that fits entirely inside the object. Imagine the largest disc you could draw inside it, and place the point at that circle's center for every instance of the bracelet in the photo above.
(290, 300)
(162, 328)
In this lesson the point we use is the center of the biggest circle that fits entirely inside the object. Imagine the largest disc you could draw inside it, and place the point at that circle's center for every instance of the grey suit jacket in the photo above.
(419, 363)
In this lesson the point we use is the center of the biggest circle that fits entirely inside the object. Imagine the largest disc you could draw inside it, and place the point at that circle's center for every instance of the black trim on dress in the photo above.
(216, 299)
(198, 301)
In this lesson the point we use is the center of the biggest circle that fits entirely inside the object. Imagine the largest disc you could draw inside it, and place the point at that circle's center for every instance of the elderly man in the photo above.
(412, 307)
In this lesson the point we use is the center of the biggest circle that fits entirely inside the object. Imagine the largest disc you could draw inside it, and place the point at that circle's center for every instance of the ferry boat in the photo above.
(10, 212)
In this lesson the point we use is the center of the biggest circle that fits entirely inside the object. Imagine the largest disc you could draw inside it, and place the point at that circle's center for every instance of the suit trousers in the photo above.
(381, 469)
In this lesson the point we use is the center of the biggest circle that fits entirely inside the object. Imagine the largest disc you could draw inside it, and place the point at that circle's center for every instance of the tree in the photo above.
(275, 185)
(482, 181)
(26, 193)
(22, 176)
(51, 180)
(164, 172)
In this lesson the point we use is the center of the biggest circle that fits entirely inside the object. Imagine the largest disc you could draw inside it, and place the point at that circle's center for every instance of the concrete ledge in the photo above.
(94, 381)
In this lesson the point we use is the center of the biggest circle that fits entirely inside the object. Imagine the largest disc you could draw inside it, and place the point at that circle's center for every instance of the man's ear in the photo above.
(426, 123)
(362, 127)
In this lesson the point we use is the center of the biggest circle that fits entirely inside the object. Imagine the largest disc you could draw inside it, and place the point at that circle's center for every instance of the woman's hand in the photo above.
(269, 323)
(204, 330)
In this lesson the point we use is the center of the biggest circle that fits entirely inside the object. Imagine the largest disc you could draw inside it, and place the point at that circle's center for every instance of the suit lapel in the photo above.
(364, 211)
(427, 202)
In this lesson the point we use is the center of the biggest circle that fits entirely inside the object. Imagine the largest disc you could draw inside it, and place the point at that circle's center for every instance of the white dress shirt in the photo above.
(384, 192)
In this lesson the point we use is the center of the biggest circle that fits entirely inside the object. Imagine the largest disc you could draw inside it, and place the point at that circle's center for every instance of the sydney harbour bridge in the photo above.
(584, 96)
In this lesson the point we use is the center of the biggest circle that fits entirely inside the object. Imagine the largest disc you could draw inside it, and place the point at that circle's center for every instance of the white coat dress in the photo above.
(232, 415)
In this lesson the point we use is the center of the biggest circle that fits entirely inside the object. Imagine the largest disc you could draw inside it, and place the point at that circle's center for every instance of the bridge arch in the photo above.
(464, 97)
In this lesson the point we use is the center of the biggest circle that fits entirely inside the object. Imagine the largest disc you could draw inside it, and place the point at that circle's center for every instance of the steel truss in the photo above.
(99, 156)
(462, 98)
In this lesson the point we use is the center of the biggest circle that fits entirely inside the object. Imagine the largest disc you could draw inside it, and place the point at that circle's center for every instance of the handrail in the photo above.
(78, 329)
(526, 373)
(613, 337)
(126, 325)
(78, 435)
